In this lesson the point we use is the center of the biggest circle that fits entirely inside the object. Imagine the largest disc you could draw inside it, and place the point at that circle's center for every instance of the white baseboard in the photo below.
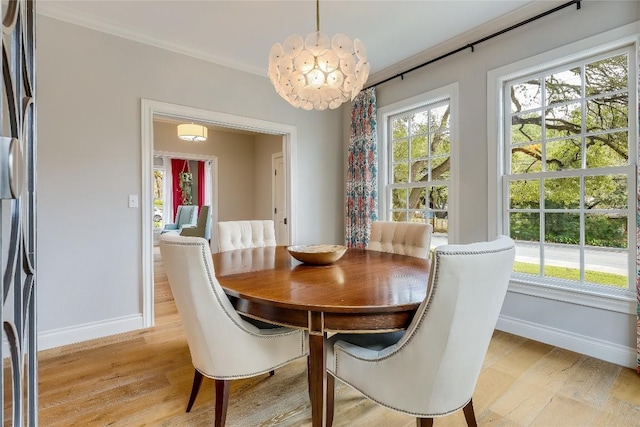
(604, 350)
(88, 331)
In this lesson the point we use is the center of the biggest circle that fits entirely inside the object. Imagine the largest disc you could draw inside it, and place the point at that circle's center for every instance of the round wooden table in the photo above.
(364, 291)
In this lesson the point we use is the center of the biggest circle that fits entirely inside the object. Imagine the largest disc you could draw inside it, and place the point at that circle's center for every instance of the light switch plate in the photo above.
(133, 200)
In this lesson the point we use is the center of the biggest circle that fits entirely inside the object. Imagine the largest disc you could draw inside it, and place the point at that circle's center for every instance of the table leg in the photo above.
(317, 371)
(331, 385)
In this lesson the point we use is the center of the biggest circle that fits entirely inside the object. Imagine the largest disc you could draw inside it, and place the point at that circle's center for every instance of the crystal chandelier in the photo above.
(317, 72)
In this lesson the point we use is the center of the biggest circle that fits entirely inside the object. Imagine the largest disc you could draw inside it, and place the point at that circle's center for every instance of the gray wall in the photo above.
(557, 322)
(89, 89)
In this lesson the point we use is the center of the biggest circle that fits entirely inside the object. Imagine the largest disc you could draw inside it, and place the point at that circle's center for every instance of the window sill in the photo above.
(616, 300)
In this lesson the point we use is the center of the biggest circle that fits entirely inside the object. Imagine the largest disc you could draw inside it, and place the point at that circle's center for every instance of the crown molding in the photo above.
(525, 12)
(66, 14)
(62, 13)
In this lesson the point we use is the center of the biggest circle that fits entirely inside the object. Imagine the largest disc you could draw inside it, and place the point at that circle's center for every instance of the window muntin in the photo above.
(569, 179)
(420, 166)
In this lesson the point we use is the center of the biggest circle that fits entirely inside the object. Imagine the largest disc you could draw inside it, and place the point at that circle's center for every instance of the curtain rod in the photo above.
(484, 39)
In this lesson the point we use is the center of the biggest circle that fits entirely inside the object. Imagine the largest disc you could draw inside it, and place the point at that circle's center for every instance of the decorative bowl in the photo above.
(317, 254)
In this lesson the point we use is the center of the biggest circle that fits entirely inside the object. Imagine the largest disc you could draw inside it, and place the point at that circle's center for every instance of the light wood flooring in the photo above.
(144, 378)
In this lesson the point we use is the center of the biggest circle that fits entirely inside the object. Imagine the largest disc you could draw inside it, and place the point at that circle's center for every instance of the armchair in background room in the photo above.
(202, 227)
(186, 215)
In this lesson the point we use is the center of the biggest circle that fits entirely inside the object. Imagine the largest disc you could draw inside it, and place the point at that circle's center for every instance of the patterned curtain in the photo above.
(362, 170)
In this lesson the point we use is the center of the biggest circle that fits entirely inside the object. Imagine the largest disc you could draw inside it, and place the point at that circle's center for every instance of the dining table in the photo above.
(364, 291)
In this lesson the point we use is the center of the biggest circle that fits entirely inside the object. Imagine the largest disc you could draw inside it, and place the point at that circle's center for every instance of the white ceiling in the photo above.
(240, 33)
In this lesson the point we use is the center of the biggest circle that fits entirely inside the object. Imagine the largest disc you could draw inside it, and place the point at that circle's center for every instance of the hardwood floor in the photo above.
(144, 378)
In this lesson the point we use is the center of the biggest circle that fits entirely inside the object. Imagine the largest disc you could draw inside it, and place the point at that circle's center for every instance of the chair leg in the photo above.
(272, 373)
(222, 401)
(469, 415)
(197, 381)
(331, 383)
(308, 377)
(424, 422)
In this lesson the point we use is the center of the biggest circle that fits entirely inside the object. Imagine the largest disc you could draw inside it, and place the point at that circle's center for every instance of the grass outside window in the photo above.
(566, 273)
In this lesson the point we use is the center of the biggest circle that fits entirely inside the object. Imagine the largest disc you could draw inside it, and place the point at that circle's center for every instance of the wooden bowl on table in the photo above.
(317, 254)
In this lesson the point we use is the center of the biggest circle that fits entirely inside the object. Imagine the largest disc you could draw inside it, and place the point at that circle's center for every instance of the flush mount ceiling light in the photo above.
(317, 72)
(192, 132)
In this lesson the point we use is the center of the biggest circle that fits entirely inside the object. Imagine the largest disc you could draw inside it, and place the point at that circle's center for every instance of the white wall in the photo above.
(89, 87)
(602, 333)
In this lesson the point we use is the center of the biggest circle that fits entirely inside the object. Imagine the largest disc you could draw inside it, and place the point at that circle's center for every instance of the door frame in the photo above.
(151, 109)
(274, 161)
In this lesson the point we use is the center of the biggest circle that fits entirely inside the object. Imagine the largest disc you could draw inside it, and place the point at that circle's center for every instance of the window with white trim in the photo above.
(569, 181)
(418, 138)
(159, 191)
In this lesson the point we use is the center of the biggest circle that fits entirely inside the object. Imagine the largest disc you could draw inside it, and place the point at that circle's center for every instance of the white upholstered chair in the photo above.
(245, 234)
(223, 346)
(404, 238)
(431, 369)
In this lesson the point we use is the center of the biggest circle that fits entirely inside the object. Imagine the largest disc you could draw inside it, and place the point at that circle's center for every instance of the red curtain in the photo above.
(200, 183)
(177, 166)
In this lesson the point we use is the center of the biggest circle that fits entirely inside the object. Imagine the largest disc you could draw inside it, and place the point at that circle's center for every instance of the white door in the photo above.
(279, 199)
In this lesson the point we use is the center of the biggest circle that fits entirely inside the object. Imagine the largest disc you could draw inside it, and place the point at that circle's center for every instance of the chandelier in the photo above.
(192, 132)
(318, 73)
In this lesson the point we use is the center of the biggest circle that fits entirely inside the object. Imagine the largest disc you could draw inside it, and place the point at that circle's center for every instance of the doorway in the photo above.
(278, 195)
(155, 109)
(163, 211)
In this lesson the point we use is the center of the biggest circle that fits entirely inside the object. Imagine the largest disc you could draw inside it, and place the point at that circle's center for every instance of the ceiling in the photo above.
(240, 33)
(178, 120)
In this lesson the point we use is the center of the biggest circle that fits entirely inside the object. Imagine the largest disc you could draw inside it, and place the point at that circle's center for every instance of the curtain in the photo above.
(182, 165)
(167, 191)
(177, 166)
(362, 158)
(201, 184)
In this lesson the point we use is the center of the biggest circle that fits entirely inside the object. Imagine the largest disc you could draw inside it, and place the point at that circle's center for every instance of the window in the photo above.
(417, 135)
(159, 184)
(568, 172)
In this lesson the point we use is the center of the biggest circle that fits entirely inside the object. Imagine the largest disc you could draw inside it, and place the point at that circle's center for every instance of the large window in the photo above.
(418, 141)
(569, 182)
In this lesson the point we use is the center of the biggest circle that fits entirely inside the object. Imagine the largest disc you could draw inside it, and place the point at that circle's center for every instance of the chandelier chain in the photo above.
(318, 15)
